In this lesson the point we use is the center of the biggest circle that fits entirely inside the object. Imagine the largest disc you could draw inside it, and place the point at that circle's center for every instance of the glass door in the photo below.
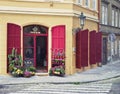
(41, 53)
(29, 51)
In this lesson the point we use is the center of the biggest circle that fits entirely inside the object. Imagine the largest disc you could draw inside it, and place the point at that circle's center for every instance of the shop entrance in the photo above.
(35, 47)
(41, 53)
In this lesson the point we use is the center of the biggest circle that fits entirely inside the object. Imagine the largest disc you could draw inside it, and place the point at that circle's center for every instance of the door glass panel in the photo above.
(29, 52)
(28, 42)
(28, 62)
(37, 29)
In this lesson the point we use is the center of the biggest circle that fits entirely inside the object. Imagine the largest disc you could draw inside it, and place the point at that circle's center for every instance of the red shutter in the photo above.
(84, 48)
(92, 47)
(58, 37)
(98, 47)
(58, 44)
(13, 37)
(78, 49)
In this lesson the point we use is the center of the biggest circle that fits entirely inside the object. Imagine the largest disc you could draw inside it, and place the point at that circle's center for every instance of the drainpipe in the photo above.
(99, 10)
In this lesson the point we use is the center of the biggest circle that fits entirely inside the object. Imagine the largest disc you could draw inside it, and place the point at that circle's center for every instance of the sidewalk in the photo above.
(100, 73)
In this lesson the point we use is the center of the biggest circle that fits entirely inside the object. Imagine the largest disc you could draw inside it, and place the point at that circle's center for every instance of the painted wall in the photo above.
(23, 20)
(91, 23)
(48, 14)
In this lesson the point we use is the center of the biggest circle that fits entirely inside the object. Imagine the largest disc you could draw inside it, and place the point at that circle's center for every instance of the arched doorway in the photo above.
(35, 45)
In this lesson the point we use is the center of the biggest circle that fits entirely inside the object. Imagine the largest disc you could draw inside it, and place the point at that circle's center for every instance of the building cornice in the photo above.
(56, 1)
(43, 11)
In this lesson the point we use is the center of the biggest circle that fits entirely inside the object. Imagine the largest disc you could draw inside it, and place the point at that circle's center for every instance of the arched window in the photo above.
(37, 29)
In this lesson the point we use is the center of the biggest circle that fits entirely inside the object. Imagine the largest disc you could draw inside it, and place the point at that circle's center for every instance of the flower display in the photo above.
(27, 74)
(15, 66)
(58, 62)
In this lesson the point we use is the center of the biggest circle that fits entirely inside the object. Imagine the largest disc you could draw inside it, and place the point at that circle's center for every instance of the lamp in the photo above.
(82, 23)
(82, 20)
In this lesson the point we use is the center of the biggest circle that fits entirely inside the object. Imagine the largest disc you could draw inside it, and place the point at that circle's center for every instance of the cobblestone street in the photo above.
(100, 87)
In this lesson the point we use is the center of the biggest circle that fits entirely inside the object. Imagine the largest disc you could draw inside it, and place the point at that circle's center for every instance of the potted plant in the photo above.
(32, 70)
(15, 66)
(58, 63)
(58, 71)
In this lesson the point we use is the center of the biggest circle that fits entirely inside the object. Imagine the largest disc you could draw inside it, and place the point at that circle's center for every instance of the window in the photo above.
(113, 17)
(79, 2)
(94, 4)
(87, 3)
(36, 29)
(104, 14)
(116, 18)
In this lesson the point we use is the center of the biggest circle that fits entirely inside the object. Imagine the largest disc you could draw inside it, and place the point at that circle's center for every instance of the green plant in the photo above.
(17, 72)
(31, 69)
(15, 66)
(14, 60)
(57, 70)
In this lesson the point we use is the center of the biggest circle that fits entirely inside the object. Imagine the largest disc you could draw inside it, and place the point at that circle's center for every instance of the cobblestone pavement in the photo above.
(75, 88)
(100, 87)
(5, 89)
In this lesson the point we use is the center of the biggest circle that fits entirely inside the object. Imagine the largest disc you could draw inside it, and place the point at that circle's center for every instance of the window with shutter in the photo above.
(13, 37)
(58, 45)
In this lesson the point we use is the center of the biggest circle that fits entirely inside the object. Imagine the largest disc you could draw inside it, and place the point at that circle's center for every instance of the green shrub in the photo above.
(31, 68)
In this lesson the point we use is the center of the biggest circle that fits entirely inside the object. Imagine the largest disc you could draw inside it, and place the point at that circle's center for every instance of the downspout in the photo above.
(99, 12)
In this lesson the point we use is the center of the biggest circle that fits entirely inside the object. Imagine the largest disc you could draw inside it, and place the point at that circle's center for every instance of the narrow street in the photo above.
(100, 87)
(110, 86)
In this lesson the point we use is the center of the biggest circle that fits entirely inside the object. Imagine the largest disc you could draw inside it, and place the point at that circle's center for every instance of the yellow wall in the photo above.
(23, 20)
(69, 19)
(89, 24)
(52, 5)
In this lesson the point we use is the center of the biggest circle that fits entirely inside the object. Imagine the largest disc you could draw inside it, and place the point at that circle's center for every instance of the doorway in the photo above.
(41, 53)
(35, 47)
(104, 51)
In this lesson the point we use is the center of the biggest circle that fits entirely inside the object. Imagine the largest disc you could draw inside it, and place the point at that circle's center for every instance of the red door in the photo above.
(13, 38)
(58, 41)
(92, 51)
(35, 47)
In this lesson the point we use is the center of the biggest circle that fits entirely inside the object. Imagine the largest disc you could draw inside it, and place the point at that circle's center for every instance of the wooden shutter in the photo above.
(58, 37)
(92, 49)
(78, 49)
(58, 43)
(13, 38)
(84, 48)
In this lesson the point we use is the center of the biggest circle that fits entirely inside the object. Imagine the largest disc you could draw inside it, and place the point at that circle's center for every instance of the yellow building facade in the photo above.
(48, 13)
